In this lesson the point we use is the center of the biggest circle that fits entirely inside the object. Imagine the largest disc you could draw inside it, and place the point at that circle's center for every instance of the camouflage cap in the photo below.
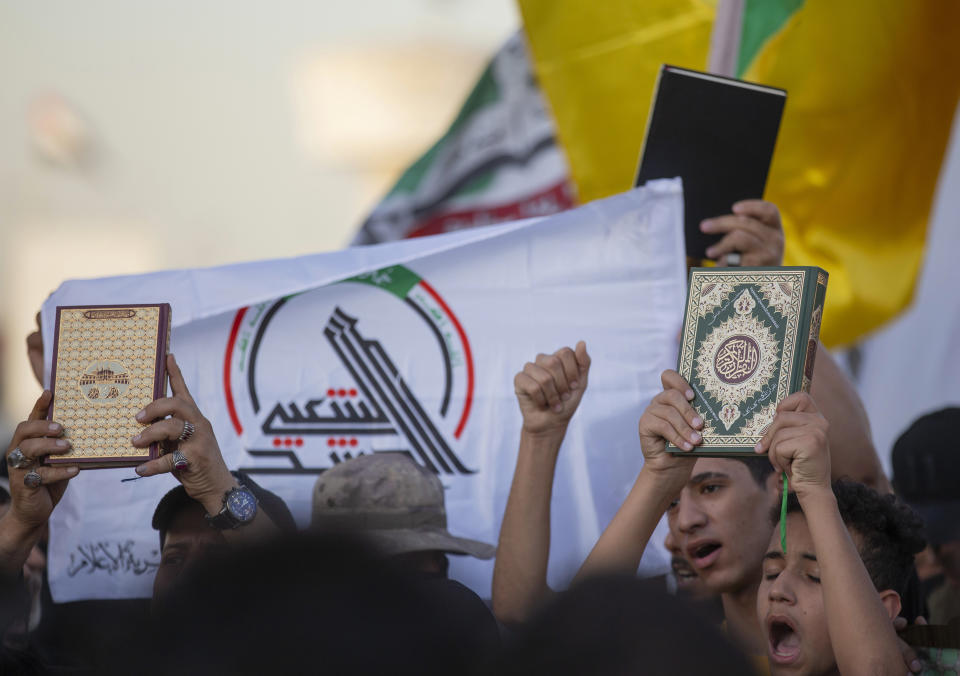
(392, 501)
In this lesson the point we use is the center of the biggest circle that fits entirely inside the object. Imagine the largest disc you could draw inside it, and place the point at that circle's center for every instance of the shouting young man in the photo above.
(827, 603)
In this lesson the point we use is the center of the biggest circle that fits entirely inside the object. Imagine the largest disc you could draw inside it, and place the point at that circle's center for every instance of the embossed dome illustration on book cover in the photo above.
(749, 340)
(107, 365)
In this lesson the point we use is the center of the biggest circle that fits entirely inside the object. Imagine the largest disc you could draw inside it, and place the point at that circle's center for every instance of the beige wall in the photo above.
(141, 135)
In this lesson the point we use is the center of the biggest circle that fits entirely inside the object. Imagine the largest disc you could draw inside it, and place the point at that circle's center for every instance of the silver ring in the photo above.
(18, 460)
(188, 430)
(733, 259)
(179, 460)
(32, 480)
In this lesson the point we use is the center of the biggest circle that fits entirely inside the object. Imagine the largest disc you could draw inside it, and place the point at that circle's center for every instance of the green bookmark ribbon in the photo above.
(783, 516)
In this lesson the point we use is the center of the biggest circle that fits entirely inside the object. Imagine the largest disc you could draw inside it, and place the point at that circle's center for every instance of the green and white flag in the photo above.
(499, 161)
(410, 346)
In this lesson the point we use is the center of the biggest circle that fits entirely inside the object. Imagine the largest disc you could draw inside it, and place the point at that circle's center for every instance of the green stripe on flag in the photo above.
(762, 19)
(485, 92)
(396, 279)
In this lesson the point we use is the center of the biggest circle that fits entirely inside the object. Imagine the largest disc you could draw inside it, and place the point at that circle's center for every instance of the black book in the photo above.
(716, 133)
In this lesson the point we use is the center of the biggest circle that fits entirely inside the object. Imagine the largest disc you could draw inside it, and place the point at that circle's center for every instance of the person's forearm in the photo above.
(16, 541)
(853, 454)
(861, 631)
(520, 570)
(261, 528)
(622, 543)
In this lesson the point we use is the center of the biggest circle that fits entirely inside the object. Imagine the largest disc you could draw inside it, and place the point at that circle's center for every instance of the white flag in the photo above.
(411, 346)
(909, 367)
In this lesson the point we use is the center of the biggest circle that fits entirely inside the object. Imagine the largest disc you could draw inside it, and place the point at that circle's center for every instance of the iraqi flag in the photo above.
(410, 346)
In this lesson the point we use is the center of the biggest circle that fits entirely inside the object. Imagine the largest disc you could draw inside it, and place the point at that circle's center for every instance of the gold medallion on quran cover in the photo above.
(108, 363)
(737, 359)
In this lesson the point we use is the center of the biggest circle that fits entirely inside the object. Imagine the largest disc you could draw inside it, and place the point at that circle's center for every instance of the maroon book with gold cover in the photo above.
(108, 363)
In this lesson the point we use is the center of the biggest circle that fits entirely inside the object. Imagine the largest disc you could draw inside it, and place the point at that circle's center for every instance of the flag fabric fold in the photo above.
(908, 368)
(597, 64)
(872, 94)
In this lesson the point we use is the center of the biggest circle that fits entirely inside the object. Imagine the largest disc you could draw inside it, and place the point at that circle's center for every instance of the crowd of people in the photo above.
(366, 589)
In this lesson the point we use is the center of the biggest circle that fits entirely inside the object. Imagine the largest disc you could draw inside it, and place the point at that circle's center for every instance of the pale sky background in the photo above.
(140, 135)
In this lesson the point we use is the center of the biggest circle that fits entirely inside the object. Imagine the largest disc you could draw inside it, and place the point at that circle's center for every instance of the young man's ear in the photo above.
(774, 484)
(891, 601)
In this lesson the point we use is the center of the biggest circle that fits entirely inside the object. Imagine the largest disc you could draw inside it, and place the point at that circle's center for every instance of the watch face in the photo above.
(241, 504)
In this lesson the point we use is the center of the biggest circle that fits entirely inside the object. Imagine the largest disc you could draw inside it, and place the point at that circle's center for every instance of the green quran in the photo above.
(749, 340)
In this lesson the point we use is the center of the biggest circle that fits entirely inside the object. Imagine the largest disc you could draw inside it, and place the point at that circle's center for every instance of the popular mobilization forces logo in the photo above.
(376, 363)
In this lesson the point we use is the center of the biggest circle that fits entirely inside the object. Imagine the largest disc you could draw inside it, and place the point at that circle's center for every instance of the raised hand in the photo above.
(550, 388)
(670, 417)
(33, 501)
(205, 477)
(753, 230)
(796, 443)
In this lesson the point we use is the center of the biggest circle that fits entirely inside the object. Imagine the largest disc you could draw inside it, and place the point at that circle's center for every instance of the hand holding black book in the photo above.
(718, 134)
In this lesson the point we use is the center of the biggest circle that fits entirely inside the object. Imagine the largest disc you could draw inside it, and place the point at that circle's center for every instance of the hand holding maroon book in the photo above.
(108, 364)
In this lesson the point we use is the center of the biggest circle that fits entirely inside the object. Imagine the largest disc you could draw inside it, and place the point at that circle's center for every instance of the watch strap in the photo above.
(225, 519)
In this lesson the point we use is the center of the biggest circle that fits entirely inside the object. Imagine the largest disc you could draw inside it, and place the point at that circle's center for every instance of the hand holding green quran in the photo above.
(796, 443)
(749, 341)
(670, 417)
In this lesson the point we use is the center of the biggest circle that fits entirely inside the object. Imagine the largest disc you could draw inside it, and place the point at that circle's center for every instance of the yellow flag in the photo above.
(597, 61)
(872, 89)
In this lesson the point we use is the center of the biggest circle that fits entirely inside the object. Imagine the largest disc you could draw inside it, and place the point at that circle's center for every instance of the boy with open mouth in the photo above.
(827, 603)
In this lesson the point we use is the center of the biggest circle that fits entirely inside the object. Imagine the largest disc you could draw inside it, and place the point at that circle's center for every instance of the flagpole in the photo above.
(725, 38)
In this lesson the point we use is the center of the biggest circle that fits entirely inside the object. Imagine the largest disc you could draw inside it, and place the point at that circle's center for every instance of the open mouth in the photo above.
(784, 641)
(703, 554)
(682, 570)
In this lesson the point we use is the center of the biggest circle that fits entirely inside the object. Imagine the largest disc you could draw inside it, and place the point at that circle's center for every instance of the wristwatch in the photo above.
(239, 509)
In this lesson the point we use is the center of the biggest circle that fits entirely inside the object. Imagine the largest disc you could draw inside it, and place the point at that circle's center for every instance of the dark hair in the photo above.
(317, 604)
(926, 472)
(613, 625)
(891, 531)
(759, 466)
(925, 469)
(177, 499)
